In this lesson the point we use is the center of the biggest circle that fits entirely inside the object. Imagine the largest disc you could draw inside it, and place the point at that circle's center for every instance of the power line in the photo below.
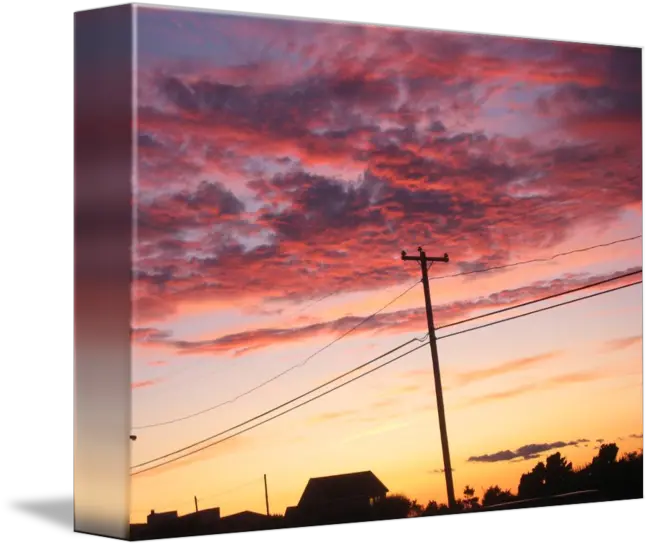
(302, 363)
(281, 374)
(500, 267)
(365, 320)
(351, 381)
(548, 297)
(313, 302)
(467, 320)
(288, 402)
(541, 259)
(364, 374)
(232, 490)
(277, 415)
(504, 320)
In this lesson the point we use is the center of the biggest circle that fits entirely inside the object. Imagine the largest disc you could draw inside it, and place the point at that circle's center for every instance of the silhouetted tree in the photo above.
(607, 455)
(470, 501)
(434, 508)
(532, 484)
(559, 476)
(416, 509)
(630, 476)
(622, 479)
(599, 472)
(495, 495)
(631, 456)
(615, 479)
(393, 507)
(553, 477)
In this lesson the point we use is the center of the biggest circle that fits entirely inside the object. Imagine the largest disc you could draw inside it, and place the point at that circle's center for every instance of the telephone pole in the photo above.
(195, 498)
(266, 496)
(424, 262)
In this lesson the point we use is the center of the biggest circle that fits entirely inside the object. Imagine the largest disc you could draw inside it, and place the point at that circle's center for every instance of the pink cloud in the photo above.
(144, 383)
(349, 143)
(408, 320)
(157, 363)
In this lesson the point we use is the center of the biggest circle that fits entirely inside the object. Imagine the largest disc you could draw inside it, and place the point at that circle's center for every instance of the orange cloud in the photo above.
(411, 388)
(574, 377)
(382, 429)
(331, 416)
(501, 395)
(505, 368)
(375, 412)
(385, 403)
(556, 381)
(622, 343)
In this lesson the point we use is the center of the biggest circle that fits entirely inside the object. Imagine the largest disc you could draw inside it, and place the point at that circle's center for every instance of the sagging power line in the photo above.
(366, 373)
(362, 322)
(281, 374)
(317, 388)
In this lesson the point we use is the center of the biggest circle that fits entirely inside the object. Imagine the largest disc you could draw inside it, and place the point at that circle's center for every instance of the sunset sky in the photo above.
(283, 166)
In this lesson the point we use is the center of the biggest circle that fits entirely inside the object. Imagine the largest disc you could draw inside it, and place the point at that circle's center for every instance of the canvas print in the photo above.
(379, 273)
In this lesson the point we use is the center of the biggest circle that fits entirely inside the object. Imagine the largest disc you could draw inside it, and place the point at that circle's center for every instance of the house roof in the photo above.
(162, 515)
(245, 514)
(342, 486)
(208, 512)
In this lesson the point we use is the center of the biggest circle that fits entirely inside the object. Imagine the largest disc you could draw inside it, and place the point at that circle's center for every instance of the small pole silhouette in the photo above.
(266, 495)
(195, 498)
(424, 261)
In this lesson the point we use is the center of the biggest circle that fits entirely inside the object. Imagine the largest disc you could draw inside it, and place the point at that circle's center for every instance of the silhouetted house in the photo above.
(169, 524)
(156, 518)
(162, 523)
(244, 521)
(337, 499)
(202, 522)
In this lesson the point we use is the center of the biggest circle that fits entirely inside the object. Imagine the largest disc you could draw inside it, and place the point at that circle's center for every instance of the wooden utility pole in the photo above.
(195, 498)
(424, 262)
(266, 495)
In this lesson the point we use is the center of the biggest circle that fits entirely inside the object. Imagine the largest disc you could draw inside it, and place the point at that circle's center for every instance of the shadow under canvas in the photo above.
(59, 511)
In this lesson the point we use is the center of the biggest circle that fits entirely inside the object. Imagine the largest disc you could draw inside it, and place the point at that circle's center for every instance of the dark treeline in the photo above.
(614, 478)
